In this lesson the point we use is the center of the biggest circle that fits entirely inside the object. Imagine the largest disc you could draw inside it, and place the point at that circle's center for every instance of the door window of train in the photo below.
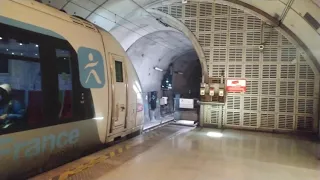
(63, 62)
(119, 71)
(20, 82)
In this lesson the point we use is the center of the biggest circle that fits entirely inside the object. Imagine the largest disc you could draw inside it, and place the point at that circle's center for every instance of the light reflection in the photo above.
(214, 134)
(98, 118)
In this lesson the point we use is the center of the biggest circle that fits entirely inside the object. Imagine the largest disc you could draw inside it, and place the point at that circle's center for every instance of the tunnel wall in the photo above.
(282, 83)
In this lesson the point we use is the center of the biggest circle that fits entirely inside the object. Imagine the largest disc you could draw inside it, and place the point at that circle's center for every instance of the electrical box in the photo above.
(214, 91)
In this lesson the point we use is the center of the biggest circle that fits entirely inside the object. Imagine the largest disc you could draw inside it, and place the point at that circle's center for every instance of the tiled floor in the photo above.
(237, 155)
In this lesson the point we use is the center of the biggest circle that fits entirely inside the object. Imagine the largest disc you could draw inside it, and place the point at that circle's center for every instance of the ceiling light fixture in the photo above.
(37, 45)
(20, 44)
(0, 38)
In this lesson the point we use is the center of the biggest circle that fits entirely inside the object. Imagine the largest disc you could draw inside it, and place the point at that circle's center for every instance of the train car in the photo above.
(66, 86)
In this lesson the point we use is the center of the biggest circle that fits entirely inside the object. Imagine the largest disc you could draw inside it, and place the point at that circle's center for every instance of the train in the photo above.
(66, 86)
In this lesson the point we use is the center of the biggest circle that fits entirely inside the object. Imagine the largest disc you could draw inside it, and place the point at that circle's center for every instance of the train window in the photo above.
(20, 84)
(65, 83)
(119, 71)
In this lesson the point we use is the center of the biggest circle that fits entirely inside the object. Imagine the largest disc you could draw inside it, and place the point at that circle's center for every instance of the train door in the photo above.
(119, 105)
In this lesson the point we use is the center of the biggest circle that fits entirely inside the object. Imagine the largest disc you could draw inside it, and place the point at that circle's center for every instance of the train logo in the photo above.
(91, 68)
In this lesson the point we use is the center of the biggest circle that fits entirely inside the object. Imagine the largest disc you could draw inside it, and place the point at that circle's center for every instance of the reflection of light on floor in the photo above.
(214, 134)
(185, 122)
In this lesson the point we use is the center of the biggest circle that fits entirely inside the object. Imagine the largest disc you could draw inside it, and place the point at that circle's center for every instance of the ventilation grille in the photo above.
(305, 72)
(218, 70)
(305, 106)
(270, 54)
(235, 55)
(252, 87)
(302, 58)
(252, 71)
(220, 39)
(288, 71)
(236, 39)
(207, 55)
(190, 10)
(205, 9)
(268, 104)
(250, 119)
(215, 116)
(220, 9)
(286, 105)
(253, 23)
(204, 24)
(251, 103)
(163, 9)
(252, 55)
(253, 38)
(176, 11)
(235, 11)
(305, 123)
(268, 121)
(286, 122)
(219, 55)
(235, 71)
(237, 23)
(285, 41)
(271, 37)
(205, 39)
(287, 88)
(191, 24)
(220, 24)
(269, 71)
(233, 102)
(288, 54)
(269, 88)
(233, 118)
(85, 24)
(306, 88)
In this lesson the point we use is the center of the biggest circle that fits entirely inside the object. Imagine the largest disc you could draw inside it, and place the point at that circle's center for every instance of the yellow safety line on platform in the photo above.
(95, 161)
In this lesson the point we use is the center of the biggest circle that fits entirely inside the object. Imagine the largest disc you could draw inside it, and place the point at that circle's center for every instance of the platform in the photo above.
(183, 153)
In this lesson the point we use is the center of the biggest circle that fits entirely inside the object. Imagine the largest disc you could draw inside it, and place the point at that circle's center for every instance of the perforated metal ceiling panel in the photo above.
(282, 91)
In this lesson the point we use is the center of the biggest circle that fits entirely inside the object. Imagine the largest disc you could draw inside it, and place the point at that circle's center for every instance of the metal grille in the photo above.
(191, 10)
(253, 38)
(252, 55)
(236, 39)
(219, 55)
(235, 55)
(220, 39)
(305, 106)
(250, 103)
(268, 104)
(252, 87)
(269, 88)
(252, 71)
(233, 118)
(285, 121)
(237, 23)
(268, 121)
(287, 88)
(269, 71)
(191, 24)
(235, 71)
(282, 88)
(286, 105)
(205, 9)
(306, 88)
(205, 39)
(250, 119)
(233, 102)
(288, 71)
(176, 11)
(220, 9)
(204, 25)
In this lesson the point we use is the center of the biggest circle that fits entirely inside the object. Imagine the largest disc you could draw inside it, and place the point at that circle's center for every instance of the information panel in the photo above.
(236, 85)
(186, 103)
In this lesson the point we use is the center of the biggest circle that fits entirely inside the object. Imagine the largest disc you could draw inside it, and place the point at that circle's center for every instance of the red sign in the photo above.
(236, 85)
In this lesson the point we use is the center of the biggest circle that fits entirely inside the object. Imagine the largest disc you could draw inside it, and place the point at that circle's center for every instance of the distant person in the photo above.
(10, 110)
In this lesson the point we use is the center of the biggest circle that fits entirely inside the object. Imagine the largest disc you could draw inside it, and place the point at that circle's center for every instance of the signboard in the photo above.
(186, 103)
(236, 85)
